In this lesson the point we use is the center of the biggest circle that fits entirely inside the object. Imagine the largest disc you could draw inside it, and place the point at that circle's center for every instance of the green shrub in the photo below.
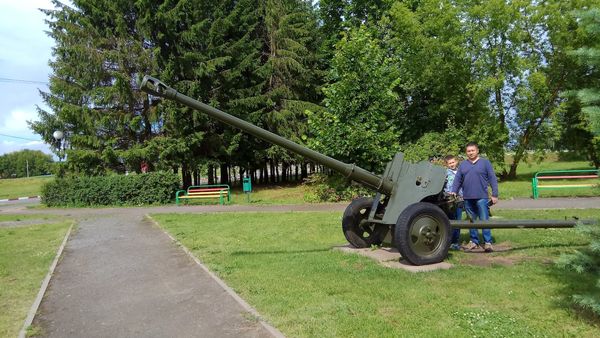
(150, 188)
(332, 188)
(586, 261)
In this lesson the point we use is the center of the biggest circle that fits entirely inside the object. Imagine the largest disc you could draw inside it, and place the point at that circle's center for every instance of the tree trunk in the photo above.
(261, 178)
(512, 173)
(187, 177)
(196, 177)
(593, 152)
(211, 174)
(224, 173)
(500, 107)
(284, 172)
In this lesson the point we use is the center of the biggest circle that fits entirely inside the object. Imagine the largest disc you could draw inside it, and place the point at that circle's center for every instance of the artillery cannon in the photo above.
(409, 209)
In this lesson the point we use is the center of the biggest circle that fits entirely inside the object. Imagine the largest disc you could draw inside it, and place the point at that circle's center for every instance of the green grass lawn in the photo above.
(284, 265)
(26, 253)
(286, 194)
(22, 187)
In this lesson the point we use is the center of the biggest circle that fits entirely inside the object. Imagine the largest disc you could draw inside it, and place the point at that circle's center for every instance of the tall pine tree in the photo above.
(98, 55)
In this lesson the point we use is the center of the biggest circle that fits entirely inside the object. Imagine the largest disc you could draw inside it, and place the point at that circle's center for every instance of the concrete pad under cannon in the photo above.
(390, 257)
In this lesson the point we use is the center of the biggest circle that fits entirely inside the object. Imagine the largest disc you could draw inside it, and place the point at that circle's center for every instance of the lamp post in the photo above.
(59, 136)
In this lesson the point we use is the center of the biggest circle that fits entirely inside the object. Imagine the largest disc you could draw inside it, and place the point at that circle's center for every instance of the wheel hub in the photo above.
(425, 235)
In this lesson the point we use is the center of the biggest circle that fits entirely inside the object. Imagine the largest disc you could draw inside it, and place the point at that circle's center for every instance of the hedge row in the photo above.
(332, 188)
(150, 188)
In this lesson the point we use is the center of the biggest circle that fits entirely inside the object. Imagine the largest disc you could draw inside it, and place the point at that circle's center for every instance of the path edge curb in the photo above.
(276, 333)
(19, 198)
(38, 300)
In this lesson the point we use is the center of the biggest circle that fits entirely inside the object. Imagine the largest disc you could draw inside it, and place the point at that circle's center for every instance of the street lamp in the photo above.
(59, 136)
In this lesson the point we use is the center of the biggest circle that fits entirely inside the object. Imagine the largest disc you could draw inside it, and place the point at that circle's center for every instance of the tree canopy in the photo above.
(25, 163)
(355, 79)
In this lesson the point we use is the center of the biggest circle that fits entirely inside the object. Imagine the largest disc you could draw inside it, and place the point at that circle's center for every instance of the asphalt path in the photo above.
(122, 276)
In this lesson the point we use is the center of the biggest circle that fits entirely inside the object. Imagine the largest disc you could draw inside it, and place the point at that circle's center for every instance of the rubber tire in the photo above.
(403, 241)
(353, 221)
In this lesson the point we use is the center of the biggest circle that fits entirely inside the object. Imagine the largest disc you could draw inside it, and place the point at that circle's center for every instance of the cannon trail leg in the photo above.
(357, 230)
(422, 234)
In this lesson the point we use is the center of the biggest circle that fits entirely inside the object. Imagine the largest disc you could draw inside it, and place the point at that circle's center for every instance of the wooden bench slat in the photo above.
(199, 196)
(566, 186)
(208, 192)
(565, 177)
(207, 189)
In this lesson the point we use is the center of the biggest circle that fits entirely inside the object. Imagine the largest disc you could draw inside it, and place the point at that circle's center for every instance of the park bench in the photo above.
(220, 191)
(562, 175)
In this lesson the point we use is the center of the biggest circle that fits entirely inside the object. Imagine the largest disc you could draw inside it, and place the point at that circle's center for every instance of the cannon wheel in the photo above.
(422, 234)
(357, 230)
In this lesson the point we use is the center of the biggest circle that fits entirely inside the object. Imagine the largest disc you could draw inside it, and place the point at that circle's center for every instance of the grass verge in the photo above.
(26, 252)
(22, 187)
(283, 264)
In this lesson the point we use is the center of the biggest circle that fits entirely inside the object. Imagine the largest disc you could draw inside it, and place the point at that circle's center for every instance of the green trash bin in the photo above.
(247, 185)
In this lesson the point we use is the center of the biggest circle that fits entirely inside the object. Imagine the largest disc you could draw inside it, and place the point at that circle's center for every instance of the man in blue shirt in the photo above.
(473, 176)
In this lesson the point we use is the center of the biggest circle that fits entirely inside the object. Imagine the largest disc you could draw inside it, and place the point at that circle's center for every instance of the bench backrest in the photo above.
(209, 187)
(562, 175)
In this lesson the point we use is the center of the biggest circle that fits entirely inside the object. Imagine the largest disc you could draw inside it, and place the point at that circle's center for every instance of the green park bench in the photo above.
(562, 175)
(220, 191)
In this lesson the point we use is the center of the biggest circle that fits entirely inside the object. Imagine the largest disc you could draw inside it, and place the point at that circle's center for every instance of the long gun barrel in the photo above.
(156, 87)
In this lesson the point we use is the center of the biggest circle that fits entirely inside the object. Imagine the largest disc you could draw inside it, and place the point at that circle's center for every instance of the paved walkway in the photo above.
(121, 276)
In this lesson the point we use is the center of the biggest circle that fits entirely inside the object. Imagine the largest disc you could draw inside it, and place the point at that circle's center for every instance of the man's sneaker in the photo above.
(471, 246)
(487, 247)
(454, 246)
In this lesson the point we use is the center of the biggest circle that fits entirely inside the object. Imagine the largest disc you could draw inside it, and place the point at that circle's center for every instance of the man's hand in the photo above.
(494, 200)
(452, 193)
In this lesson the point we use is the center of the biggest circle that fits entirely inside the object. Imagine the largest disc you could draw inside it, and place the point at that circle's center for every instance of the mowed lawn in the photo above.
(285, 266)
(28, 244)
(22, 187)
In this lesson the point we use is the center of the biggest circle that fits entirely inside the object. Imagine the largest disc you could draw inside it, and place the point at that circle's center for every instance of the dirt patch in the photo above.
(500, 247)
(487, 260)
(479, 257)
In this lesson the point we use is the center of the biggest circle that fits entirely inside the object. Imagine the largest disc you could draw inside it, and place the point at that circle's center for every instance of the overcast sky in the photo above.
(24, 53)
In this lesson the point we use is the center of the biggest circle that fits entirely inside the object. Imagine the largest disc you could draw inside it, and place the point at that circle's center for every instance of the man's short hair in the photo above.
(449, 157)
(472, 144)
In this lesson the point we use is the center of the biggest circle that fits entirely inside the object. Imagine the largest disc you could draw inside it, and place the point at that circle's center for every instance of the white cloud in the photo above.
(25, 52)
(16, 122)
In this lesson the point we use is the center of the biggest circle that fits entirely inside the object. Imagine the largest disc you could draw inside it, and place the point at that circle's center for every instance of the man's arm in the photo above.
(457, 181)
(493, 181)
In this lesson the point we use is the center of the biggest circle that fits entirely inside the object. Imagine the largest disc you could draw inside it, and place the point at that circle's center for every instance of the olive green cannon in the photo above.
(409, 209)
